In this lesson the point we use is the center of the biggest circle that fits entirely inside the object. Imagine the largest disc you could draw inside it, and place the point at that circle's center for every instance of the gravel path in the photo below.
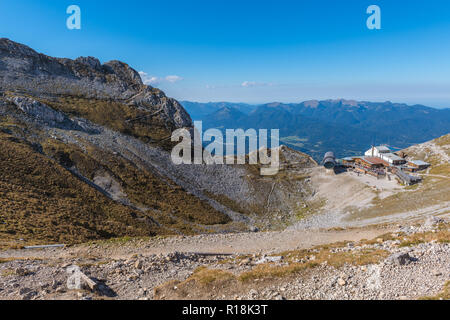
(131, 270)
(239, 243)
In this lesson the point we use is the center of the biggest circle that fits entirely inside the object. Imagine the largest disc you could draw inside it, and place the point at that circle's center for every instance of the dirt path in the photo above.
(242, 243)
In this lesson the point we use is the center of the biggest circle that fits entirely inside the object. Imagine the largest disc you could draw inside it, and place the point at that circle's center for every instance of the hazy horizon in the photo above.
(236, 51)
(300, 101)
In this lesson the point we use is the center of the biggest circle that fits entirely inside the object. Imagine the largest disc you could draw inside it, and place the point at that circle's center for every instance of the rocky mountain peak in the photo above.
(25, 71)
(311, 103)
(91, 62)
(124, 72)
(16, 48)
(23, 68)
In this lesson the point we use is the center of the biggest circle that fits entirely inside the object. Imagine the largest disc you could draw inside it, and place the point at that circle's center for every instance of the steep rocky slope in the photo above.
(88, 157)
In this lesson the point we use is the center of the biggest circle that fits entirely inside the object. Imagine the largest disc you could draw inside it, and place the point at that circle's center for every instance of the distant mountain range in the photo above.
(346, 127)
(198, 110)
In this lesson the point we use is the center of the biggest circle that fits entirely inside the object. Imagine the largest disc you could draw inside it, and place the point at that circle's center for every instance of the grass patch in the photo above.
(334, 259)
(413, 187)
(309, 208)
(5, 260)
(7, 273)
(444, 295)
(441, 236)
(443, 141)
(118, 241)
(207, 276)
(443, 170)
(382, 238)
(203, 279)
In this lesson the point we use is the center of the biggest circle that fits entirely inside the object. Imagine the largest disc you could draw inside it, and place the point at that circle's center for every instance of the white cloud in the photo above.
(173, 79)
(147, 79)
(249, 84)
(154, 81)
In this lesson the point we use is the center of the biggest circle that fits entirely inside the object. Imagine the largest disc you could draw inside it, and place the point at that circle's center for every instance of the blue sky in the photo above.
(255, 51)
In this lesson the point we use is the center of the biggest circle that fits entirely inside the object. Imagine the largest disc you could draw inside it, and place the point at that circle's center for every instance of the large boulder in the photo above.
(399, 259)
(38, 110)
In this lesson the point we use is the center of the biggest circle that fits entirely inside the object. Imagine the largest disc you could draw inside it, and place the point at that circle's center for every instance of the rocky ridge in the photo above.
(23, 70)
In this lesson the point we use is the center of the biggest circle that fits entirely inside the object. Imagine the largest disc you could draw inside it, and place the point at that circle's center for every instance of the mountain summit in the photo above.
(23, 70)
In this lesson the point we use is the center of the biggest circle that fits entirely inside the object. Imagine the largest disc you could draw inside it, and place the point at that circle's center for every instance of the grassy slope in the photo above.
(113, 115)
(41, 201)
